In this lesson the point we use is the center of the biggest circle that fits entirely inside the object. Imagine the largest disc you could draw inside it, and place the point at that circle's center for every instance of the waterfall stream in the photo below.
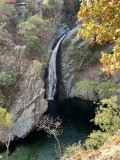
(52, 77)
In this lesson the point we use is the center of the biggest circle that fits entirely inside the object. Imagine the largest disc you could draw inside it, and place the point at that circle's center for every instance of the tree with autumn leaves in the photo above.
(101, 22)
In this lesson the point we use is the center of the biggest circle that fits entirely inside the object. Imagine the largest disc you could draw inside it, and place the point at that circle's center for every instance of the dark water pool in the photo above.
(76, 126)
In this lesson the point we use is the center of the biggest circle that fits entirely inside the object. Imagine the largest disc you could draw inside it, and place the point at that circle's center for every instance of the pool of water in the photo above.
(76, 127)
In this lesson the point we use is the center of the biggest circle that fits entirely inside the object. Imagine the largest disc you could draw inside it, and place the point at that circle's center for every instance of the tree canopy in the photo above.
(101, 22)
(34, 26)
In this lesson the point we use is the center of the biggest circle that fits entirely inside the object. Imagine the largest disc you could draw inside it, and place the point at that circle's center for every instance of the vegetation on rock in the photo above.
(71, 151)
(37, 66)
(7, 77)
(33, 47)
(50, 8)
(5, 118)
(34, 26)
(105, 88)
(108, 119)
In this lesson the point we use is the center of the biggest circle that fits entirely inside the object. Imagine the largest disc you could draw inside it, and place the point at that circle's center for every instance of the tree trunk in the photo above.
(8, 143)
(58, 145)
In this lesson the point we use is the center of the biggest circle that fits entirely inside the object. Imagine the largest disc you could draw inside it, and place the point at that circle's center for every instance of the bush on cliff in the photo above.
(34, 26)
(33, 47)
(108, 119)
(7, 77)
(50, 8)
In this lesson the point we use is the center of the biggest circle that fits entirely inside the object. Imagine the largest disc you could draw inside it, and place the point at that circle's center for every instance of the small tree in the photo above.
(50, 126)
(34, 26)
(6, 121)
(7, 77)
(108, 119)
(37, 66)
(33, 47)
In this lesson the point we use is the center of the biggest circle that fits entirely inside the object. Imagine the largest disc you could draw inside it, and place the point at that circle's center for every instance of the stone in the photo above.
(72, 72)
(25, 100)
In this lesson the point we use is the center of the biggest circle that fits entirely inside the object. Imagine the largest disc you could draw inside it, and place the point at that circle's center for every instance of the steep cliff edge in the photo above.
(25, 99)
(79, 62)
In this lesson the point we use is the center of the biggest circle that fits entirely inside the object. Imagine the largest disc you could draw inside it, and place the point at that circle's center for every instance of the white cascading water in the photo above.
(52, 77)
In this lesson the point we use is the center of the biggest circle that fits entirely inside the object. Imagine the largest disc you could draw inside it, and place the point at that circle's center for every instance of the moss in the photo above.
(105, 88)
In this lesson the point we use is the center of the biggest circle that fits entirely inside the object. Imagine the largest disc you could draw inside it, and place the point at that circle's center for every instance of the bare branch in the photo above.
(51, 126)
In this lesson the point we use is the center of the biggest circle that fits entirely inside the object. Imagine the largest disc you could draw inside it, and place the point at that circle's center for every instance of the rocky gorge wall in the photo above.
(25, 100)
(79, 62)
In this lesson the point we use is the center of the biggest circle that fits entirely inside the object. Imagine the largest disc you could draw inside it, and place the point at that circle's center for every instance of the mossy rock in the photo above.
(105, 88)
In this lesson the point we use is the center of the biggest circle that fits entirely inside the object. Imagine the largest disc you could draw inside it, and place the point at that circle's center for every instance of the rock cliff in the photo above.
(25, 99)
(79, 62)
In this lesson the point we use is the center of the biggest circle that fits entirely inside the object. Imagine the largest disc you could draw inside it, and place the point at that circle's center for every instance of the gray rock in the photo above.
(71, 74)
(26, 99)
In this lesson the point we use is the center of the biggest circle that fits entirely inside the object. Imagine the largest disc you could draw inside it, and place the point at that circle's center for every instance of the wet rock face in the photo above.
(80, 62)
(25, 100)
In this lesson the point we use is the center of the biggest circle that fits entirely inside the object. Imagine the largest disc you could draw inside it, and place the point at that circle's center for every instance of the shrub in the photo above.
(108, 119)
(5, 118)
(73, 150)
(7, 14)
(105, 88)
(2, 100)
(7, 77)
(37, 66)
(34, 26)
(33, 47)
(50, 8)
(96, 139)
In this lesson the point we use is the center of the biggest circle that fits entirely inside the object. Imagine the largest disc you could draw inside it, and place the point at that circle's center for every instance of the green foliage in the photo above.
(34, 26)
(70, 10)
(7, 13)
(105, 88)
(72, 151)
(83, 85)
(5, 118)
(33, 47)
(4, 43)
(83, 51)
(96, 139)
(65, 44)
(7, 77)
(3, 30)
(108, 118)
(50, 8)
(37, 66)
(2, 100)
(25, 12)
(76, 43)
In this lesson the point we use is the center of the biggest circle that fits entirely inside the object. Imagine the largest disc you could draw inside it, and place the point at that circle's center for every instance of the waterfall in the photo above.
(52, 77)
